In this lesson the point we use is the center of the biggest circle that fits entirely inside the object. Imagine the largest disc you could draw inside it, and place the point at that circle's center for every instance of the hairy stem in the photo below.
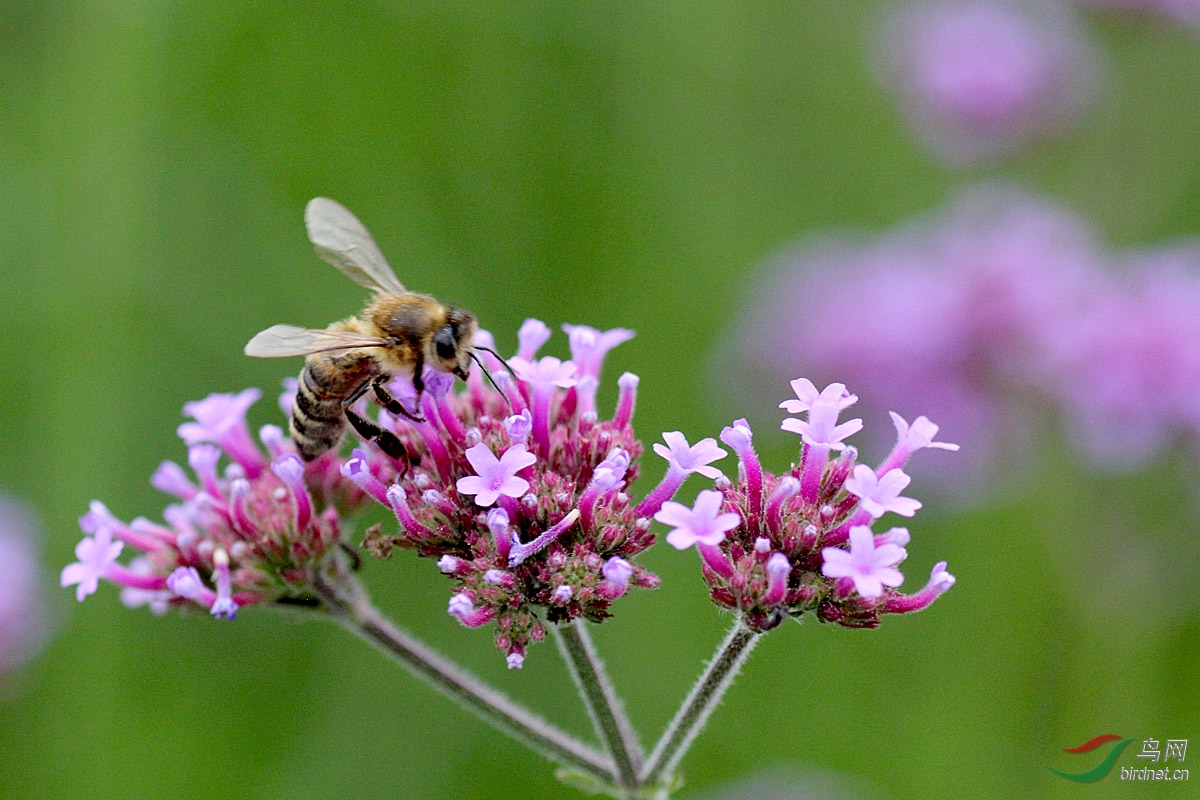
(346, 601)
(700, 703)
(603, 705)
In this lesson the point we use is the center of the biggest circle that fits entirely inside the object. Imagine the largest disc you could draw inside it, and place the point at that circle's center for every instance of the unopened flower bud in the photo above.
(617, 571)
(778, 570)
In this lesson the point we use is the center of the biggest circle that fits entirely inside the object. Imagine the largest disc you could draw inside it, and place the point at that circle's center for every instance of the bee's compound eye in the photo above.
(443, 343)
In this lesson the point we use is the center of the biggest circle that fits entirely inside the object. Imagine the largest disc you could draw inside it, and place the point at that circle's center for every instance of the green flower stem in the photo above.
(605, 709)
(704, 697)
(346, 601)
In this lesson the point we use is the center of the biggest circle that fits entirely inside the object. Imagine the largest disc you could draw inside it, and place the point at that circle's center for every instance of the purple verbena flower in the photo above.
(494, 477)
(221, 419)
(690, 458)
(940, 582)
(543, 377)
(519, 426)
(462, 607)
(869, 567)
(617, 572)
(821, 429)
(547, 371)
(97, 554)
(223, 606)
(533, 334)
(589, 346)
(881, 495)
(703, 523)
(186, 583)
(909, 439)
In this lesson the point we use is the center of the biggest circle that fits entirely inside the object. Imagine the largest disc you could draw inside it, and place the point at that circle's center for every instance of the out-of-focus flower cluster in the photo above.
(977, 78)
(518, 490)
(23, 619)
(998, 302)
(800, 542)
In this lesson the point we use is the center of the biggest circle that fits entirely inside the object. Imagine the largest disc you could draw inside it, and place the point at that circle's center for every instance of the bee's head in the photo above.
(454, 342)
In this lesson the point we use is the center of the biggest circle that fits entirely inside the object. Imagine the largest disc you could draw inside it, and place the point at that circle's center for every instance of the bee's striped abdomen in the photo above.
(318, 417)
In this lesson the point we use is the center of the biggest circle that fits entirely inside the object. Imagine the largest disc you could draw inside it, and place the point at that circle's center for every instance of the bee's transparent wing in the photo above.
(344, 242)
(289, 340)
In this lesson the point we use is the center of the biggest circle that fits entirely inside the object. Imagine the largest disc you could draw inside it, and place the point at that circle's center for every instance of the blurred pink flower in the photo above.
(980, 77)
(23, 621)
(1129, 368)
(945, 314)
(984, 312)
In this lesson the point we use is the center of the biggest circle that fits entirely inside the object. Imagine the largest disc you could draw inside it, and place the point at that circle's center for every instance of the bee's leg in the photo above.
(418, 378)
(359, 392)
(385, 399)
(386, 440)
(368, 430)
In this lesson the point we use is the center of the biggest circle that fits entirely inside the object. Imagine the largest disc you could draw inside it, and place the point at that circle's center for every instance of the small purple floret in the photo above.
(532, 335)
(495, 476)
(870, 568)
(881, 495)
(96, 554)
(589, 346)
(703, 523)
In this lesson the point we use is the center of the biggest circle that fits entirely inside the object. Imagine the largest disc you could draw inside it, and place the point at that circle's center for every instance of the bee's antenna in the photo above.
(492, 380)
(498, 358)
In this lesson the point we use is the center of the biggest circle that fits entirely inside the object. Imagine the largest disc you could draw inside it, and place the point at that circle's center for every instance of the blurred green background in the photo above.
(617, 164)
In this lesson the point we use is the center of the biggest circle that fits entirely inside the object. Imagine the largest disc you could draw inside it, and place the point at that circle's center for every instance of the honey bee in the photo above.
(397, 333)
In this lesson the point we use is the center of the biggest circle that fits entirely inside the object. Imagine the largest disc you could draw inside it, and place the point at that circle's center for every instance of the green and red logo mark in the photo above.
(1101, 769)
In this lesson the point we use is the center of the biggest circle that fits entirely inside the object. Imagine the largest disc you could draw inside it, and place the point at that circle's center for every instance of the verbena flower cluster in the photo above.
(521, 495)
(999, 303)
(774, 546)
(258, 530)
(520, 492)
